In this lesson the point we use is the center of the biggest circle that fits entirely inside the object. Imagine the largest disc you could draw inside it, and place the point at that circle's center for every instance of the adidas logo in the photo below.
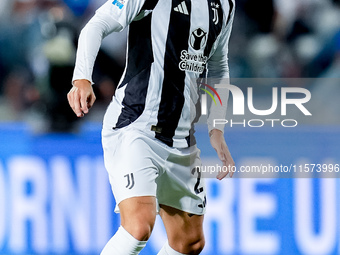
(182, 8)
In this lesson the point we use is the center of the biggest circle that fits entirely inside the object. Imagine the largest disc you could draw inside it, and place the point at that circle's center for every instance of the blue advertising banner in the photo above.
(55, 197)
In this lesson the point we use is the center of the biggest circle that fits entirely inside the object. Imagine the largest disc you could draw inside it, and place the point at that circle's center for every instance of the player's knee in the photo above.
(190, 245)
(142, 232)
(197, 247)
(138, 217)
(140, 228)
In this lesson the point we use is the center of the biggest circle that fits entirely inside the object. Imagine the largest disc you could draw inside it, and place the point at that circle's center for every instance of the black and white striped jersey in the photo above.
(170, 42)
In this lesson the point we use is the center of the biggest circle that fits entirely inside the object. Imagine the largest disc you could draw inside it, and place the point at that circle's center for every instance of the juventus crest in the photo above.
(214, 8)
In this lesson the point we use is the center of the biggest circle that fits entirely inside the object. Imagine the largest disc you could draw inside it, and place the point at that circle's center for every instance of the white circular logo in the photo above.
(198, 39)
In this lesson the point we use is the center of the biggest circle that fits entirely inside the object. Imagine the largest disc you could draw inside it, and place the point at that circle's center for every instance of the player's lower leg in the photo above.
(138, 216)
(184, 231)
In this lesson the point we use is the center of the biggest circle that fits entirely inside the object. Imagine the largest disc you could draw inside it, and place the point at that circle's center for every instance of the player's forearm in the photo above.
(88, 47)
(218, 72)
(218, 111)
(89, 43)
(218, 66)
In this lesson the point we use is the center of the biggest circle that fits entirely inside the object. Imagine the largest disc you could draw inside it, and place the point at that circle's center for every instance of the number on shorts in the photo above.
(197, 188)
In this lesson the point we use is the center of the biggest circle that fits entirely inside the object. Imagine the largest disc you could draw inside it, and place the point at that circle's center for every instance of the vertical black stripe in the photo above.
(140, 54)
(231, 7)
(149, 4)
(215, 8)
(137, 73)
(172, 98)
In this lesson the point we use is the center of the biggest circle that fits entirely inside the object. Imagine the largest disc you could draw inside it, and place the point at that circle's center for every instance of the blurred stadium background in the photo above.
(54, 193)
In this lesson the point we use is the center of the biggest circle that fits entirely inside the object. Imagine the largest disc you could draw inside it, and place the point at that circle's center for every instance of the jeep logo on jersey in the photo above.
(198, 39)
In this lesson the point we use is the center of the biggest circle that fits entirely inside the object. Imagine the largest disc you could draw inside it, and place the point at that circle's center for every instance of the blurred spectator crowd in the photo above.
(285, 38)
(270, 39)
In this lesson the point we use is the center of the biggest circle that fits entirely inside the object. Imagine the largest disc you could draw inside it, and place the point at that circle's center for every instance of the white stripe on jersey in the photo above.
(199, 19)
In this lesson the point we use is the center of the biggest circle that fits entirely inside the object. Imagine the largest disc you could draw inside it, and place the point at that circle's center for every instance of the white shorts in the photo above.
(139, 165)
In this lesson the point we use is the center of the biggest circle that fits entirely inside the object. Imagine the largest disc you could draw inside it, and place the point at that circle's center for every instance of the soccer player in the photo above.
(149, 149)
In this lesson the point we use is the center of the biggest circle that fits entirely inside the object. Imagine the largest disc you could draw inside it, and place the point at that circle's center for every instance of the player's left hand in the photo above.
(218, 143)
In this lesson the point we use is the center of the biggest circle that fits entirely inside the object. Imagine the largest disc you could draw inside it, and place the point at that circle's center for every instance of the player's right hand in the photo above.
(81, 97)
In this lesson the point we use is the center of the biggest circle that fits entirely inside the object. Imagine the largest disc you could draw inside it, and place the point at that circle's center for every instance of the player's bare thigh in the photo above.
(138, 216)
(184, 230)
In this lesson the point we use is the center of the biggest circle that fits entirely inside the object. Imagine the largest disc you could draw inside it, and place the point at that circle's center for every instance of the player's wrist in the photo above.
(214, 132)
(82, 83)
